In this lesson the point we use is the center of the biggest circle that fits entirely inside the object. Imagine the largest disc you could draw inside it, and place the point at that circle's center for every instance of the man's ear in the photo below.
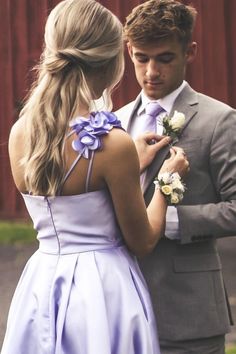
(130, 50)
(191, 52)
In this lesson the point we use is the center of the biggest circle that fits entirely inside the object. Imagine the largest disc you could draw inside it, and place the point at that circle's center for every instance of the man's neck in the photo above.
(167, 101)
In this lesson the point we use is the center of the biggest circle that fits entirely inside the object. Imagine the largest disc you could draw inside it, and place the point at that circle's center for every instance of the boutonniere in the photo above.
(173, 125)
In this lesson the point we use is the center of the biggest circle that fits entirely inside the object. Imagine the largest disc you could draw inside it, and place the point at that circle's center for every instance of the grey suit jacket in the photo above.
(184, 277)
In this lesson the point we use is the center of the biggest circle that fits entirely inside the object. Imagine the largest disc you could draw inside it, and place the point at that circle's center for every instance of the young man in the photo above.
(184, 272)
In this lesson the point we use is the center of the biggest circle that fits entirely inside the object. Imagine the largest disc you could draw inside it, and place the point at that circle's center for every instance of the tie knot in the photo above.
(153, 109)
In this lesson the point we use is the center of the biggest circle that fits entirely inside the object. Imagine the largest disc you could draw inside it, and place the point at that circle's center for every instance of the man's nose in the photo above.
(153, 68)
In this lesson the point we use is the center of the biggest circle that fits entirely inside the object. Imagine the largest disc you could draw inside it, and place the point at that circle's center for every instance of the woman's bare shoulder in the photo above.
(119, 152)
(16, 147)
(119, 141)
(16, 142)
(17, 130)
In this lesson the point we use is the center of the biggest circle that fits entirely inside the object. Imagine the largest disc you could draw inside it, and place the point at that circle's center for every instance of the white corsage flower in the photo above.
(174, 198)
(171, 186)
(177, 184)
(166, 189)
(166, 177)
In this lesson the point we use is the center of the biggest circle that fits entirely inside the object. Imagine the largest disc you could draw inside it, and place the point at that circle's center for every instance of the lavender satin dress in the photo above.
(82, 291)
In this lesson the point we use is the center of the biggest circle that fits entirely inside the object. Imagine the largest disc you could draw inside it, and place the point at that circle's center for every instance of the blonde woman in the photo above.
(78, 172)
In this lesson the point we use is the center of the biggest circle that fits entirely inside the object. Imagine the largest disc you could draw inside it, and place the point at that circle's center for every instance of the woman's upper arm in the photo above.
(122, 177)
(15, 149)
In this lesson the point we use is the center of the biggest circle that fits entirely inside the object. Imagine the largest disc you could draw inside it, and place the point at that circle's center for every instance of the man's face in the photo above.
(160, 66)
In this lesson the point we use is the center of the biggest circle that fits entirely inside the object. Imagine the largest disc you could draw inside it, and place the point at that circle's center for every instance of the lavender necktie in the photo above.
(149, 125)
(149, 119)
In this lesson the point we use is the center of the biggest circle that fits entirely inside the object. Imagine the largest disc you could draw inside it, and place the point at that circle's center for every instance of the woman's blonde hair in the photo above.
(81, 38)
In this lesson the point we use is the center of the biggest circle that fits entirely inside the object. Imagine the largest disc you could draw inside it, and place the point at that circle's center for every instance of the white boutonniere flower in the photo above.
(171, 186)
(173, 125)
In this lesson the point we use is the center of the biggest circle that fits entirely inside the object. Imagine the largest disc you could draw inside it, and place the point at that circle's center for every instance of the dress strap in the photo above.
(69, 171)
(72, 167)
(89, 172)
(73, 164)
(89, 132)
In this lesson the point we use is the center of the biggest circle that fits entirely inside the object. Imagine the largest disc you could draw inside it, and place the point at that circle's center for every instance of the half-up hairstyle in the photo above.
(81, 37)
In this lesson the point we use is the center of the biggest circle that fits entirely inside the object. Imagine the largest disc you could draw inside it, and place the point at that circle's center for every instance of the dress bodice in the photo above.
(84, 222)
(76, 223)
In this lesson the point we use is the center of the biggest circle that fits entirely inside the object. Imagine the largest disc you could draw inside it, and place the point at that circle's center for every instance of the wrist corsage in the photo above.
(172, 125)
(171, 186)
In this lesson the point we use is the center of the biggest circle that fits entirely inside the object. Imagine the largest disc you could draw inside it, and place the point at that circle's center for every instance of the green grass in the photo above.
(16, 232)
(231, 350)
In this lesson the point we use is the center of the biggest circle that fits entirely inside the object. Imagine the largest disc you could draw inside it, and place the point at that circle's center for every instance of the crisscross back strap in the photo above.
(89, 172)
(69, 171)
(72, 167)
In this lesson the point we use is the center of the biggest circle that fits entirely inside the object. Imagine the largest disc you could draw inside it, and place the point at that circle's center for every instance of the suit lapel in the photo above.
(187, 103)
(133, 112)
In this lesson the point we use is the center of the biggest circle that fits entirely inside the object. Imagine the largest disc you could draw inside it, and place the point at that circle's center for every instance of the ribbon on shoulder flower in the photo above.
(90, 130)
(173, 125)
(171, 186)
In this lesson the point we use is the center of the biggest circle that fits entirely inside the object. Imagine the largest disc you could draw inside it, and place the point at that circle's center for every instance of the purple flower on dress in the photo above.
(89, 131)
(104, 120)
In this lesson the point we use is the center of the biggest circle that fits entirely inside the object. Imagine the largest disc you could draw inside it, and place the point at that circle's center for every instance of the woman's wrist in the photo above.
(171, 186)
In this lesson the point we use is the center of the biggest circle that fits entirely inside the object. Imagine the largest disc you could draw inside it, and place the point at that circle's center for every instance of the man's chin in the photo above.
(154, 95)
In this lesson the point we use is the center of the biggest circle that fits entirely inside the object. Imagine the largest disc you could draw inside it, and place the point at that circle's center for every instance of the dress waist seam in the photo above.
(61, 253)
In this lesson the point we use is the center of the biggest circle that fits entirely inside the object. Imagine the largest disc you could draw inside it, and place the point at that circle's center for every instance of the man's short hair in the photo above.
(160, 19)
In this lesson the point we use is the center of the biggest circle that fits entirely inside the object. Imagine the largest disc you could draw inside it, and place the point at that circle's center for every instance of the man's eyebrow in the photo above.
(140, 53)
(166, 53)
(156, 56)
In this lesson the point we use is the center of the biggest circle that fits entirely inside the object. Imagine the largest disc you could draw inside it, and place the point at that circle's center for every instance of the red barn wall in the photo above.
(21, 35)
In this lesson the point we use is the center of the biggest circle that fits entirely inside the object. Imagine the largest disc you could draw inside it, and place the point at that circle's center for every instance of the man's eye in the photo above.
(141, 59)
(166, 59)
